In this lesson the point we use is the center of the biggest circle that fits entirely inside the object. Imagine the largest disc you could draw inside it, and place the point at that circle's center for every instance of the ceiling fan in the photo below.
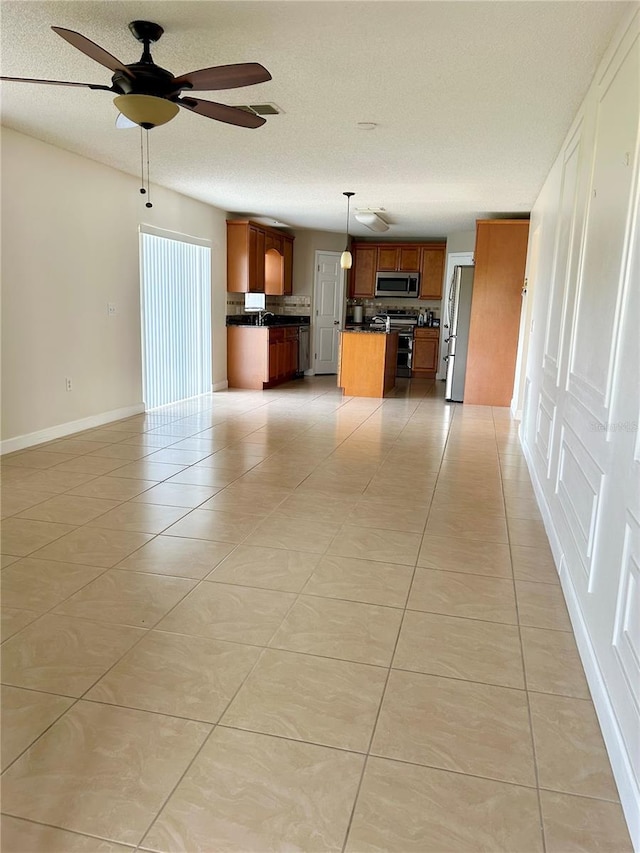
(148, 95)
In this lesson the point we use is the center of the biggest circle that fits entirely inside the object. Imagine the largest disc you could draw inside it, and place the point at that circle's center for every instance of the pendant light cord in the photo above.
(144, 191)
(148, 204)
(348, 195)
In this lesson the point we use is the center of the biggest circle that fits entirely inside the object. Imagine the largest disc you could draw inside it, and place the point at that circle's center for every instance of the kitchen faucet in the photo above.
(262, 315)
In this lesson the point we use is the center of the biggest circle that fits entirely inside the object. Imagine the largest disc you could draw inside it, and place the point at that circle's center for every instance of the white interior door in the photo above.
(329, 308)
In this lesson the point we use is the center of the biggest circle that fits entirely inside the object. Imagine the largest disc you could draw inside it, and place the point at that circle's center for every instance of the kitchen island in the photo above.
(368, 361)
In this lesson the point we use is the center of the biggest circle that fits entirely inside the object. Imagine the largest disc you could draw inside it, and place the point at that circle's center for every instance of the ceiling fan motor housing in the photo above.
(149, 79)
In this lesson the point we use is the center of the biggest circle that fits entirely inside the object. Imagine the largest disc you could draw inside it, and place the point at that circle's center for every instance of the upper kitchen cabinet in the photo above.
(369, 258)
(432, 271)
(259, 259)
(500, 257)
(397, 258)
(362, 279)
(287, 253)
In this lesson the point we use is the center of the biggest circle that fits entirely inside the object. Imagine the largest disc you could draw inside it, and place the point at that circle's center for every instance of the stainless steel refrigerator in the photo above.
(457, 321)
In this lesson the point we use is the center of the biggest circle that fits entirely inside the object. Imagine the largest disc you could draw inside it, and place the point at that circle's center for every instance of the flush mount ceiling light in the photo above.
(146, 110)
(371, 220)
(346, 260)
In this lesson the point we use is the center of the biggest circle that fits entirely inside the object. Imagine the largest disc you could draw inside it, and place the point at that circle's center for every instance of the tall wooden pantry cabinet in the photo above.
(500, 257)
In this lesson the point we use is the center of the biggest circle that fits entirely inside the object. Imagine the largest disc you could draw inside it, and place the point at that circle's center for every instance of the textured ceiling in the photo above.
(471, 101)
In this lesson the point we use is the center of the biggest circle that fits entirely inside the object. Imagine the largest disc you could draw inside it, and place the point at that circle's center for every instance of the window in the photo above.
(176, 317)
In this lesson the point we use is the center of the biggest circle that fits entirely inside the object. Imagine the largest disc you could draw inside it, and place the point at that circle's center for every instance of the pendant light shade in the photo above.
(346, 261)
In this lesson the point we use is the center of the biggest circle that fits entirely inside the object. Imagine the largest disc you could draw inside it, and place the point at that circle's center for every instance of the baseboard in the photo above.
(20, 442)
(220, 386)
(622, 770)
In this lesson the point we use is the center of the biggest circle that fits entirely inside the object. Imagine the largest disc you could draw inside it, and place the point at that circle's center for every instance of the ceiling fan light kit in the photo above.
(146, 110)
(371, 220)
(346, 261)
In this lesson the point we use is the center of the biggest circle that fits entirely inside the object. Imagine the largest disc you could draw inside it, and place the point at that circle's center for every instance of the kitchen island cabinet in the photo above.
(425, 352)
(367, 363)
(260, 357)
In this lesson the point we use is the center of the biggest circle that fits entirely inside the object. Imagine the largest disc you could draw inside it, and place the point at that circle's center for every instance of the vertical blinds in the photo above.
(176, 319)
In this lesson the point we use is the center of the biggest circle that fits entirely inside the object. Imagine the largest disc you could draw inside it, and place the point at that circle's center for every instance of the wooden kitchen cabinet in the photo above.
(500, 258)
(259, 357)
(432, 271)
(287, 253)
(367, 363)
(259, 259)
(398, 258)
(362, 279)
(369, 258)
(425, 352)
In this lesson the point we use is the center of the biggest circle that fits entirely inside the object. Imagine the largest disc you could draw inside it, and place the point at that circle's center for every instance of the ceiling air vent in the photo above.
(260, 109)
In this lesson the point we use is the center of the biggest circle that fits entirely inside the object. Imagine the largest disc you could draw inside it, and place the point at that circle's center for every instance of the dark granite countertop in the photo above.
(361, 331)
(269, 320)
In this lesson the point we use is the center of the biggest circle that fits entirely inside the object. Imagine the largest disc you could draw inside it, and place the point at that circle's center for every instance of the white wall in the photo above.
(69, 247)
(461, 241)
(305, 246)
(582, 392)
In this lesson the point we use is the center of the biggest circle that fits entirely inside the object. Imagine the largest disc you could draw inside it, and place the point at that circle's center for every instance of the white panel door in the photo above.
(329, 311)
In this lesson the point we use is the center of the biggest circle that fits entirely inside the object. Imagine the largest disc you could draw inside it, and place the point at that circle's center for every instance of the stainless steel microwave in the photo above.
(398, 284)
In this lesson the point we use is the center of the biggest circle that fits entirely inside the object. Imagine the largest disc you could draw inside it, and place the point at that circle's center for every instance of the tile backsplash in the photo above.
(299, 305)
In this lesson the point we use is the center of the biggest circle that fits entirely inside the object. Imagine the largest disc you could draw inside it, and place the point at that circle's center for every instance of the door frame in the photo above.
(342, 302)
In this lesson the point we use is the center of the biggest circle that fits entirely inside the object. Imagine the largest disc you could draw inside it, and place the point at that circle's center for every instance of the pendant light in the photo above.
(345, 259)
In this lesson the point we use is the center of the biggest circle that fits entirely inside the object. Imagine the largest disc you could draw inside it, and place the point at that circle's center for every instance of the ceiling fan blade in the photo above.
(56, 83)
(222, 112)
(224, 77)
(124, 123)
(93, 50)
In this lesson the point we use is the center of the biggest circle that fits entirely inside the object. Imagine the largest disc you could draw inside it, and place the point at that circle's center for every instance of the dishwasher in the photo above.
(304, 350)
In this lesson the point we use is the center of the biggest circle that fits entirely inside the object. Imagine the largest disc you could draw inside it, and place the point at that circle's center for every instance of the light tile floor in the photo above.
(289, 621)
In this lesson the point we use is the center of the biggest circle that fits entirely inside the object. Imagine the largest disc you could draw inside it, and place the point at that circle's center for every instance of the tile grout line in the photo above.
(524, 675)
(384, 690)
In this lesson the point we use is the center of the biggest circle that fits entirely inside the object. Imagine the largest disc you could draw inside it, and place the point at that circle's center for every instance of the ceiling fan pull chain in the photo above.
(142, 189)
(148, 203)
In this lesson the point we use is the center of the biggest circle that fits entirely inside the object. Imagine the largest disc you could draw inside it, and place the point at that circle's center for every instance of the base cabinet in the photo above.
(426, 344)
(260, 357)
(367, 363)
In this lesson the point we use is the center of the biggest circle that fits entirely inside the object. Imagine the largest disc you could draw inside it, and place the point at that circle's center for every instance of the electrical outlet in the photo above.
(69, 385)
(111, 309)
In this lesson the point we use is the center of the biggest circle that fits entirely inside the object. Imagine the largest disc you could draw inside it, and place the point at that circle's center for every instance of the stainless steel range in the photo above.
(404, 323)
